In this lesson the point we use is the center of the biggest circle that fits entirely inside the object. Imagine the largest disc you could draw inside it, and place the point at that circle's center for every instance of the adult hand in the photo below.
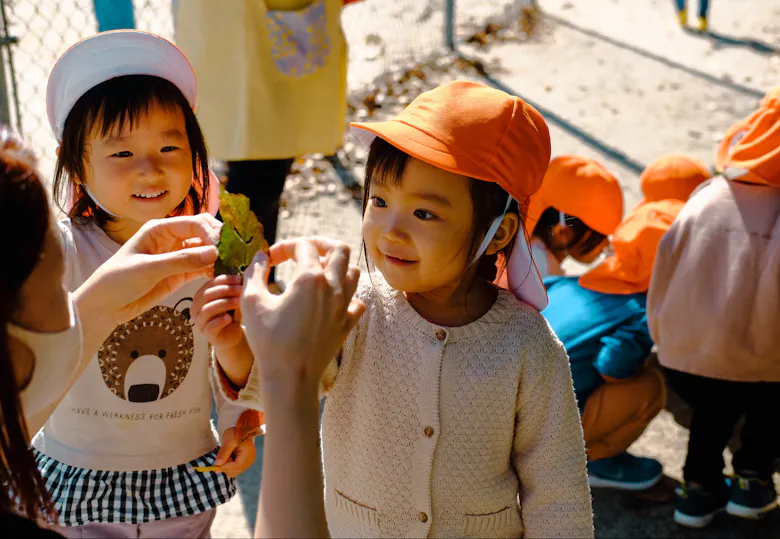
(161, 257)
(293, 337)
(295, 334)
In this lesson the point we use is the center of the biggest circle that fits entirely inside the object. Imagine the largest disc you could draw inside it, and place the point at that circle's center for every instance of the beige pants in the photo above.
(617, 413)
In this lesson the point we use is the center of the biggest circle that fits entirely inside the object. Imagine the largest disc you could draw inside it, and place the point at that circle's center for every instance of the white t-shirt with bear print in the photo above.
(144, 401)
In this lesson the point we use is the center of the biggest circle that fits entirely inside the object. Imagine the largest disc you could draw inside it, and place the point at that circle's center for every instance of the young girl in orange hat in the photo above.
(578, 206)
(601, 319)
(714, 310)
(451, 410)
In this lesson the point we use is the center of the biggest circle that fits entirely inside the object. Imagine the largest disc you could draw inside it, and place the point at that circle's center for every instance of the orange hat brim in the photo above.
(610, 277)
(429, 149)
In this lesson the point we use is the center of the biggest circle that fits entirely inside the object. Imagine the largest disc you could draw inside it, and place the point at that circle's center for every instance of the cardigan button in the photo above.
(441, 334)
(423, 517)
(428, 431)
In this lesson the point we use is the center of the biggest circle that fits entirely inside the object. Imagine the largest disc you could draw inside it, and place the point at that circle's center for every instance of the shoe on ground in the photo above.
(703, 26)
(624, 472)
(696, 506)
(683, 16)
(751, 496)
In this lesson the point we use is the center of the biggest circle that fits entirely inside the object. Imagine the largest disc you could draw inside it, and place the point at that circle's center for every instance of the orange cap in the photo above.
(580, 187)
(672, 177)
(730, 138)
(635, 243)
(476, 131)
(482, 133)
(750, 150)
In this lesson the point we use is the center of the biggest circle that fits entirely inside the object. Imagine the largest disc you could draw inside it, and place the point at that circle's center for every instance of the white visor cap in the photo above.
(108, 55)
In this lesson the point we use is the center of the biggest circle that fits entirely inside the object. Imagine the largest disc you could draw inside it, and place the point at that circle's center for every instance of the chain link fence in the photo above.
(381, 34)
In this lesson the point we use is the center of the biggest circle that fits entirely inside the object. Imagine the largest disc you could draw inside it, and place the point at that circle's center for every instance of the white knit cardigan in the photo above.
(432, 431)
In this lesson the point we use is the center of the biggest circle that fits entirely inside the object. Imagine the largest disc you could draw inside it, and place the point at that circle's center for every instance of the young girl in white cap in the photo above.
(451, 411)
(118, 453)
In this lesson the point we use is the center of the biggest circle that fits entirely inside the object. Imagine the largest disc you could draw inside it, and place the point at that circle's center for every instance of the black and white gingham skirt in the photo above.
(82, 496)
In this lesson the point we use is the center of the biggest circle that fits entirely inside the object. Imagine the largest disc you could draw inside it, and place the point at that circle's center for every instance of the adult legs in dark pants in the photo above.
(263, 182)
(716, 407)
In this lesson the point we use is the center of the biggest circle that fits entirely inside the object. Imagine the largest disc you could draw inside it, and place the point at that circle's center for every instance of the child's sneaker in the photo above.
(751, 497)
(683, 16)
(696, 507)
(624, 472)
(703, 24)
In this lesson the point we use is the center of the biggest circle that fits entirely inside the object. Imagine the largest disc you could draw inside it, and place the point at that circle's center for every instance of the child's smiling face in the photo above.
(142, 172)
(417, 230)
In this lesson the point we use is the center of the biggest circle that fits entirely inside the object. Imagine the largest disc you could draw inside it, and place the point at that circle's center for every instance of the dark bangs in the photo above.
(386, 164)
(116, 105)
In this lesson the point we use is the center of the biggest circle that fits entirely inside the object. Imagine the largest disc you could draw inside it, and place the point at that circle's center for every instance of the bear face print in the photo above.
(148, 358)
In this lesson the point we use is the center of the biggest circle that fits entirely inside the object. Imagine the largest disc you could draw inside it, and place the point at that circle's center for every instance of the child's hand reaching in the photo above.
(216, 310)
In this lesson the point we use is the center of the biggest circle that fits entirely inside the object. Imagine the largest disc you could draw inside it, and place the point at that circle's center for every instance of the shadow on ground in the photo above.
(621, 514)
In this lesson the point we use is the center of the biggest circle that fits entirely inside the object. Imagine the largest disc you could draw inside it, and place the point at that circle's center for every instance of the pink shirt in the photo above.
(713, 306)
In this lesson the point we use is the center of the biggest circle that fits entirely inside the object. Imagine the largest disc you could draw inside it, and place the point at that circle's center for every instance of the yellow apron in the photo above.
(272, 75)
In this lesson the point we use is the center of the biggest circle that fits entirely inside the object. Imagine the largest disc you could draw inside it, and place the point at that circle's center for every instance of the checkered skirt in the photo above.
(82, 496)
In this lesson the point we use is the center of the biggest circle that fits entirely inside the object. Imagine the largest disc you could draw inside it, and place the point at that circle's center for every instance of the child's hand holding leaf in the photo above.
(216, 307)
(215, 310)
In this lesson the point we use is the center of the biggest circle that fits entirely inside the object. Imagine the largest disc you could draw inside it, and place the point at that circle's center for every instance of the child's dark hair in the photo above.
(582, 235)
(386, 163)
(119, 103)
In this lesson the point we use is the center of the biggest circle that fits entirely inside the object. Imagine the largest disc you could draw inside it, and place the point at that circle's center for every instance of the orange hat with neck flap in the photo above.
(635, 242)
(750, 151)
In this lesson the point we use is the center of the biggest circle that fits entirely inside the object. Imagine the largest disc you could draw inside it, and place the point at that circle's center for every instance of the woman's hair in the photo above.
(583, 236)
(120, 103)
(386, 164)
(24, 213)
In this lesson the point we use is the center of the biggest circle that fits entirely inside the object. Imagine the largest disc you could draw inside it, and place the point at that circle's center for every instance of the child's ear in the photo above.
(506, 232)
(58, 151)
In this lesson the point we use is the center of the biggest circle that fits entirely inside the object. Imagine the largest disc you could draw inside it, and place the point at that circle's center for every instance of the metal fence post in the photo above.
(449, 24)
(5, 108)
(6, 59)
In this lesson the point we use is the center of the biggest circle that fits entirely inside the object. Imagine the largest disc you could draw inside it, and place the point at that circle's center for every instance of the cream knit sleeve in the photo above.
(549, 450)
(250, 395)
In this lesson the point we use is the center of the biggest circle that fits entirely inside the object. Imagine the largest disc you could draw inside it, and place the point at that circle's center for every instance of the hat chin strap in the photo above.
(91, 195)
(491, 232)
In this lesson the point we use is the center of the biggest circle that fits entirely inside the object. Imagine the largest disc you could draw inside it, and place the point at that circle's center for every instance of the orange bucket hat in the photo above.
(750, 150)
(672, 177)
(635, 242)
(482, 133)
(580, 187)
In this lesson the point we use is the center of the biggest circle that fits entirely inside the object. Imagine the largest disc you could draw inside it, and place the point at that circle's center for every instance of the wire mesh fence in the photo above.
(381, 35)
